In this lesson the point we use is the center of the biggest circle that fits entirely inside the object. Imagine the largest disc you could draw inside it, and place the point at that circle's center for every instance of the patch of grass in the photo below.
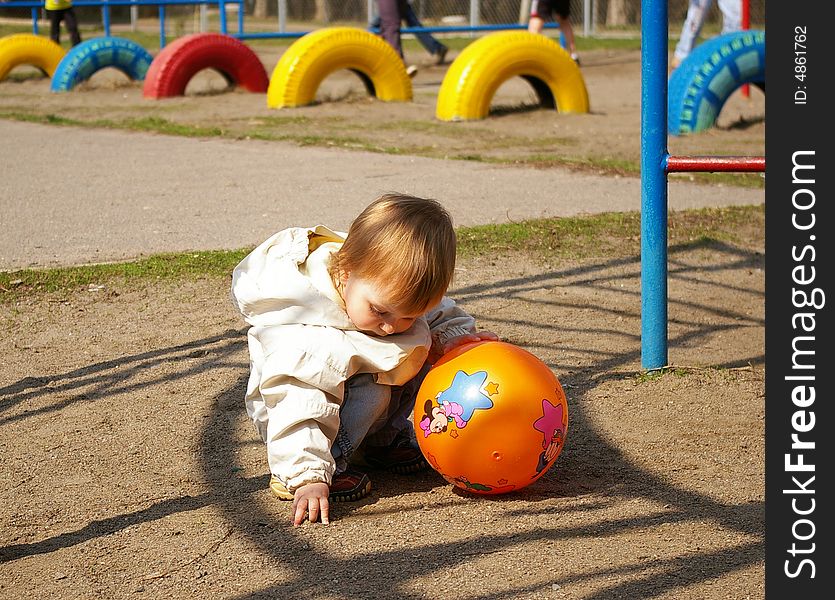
(47, 119)
(607, 234)
(28, 282)
(160, 125)
(605, 165)
(610, 234)
(656, 374)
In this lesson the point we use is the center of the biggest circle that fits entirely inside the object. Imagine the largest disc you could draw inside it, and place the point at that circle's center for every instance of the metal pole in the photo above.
(221, 6)
(475, 14)
(105, 17)
(282, 16)
(653, 183)
(524, 11)
(134, 17)
(161, 27)
(586, 18)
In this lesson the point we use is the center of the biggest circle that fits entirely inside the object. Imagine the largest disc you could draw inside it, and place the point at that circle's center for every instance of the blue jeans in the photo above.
(426, 40)
(696, 14)
(373, 414)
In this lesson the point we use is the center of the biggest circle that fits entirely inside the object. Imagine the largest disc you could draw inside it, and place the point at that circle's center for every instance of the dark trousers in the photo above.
(391, 13)
(427, 40)
(68, 16)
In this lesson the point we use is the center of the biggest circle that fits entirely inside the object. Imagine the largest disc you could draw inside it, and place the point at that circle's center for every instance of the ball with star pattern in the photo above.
(491, 417)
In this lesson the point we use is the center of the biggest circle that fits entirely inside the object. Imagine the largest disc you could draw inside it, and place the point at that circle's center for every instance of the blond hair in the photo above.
(404, 245)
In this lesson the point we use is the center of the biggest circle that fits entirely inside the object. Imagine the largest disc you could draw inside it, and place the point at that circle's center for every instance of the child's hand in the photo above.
(313, 500)
(436, 353)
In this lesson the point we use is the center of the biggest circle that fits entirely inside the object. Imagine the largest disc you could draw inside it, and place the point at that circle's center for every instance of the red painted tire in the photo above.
(177, 63)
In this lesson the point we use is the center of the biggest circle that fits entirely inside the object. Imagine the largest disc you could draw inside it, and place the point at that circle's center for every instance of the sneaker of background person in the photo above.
(440, 56)
(411, 71)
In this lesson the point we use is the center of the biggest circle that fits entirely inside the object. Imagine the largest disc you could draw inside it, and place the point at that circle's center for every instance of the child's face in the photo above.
(369, 310)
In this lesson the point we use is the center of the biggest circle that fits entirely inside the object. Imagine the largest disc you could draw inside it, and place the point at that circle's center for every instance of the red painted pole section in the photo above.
(715, 164)
(746, 24)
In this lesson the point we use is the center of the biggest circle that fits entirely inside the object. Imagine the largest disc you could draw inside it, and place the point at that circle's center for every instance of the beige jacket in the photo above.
(303, 347)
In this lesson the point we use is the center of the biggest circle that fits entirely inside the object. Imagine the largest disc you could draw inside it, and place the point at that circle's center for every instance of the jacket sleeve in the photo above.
(447, 320)
(300, 431)
(302, 418)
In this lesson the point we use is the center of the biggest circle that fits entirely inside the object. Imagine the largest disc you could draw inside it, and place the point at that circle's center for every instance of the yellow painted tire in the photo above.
(475, 75)
(29, 49)
(311, 58)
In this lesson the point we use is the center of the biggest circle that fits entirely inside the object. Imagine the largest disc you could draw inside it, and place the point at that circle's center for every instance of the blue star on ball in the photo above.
(466, 391)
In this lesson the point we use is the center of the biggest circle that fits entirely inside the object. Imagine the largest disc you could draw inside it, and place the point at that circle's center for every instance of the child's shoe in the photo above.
(348, 486)
(402, 456)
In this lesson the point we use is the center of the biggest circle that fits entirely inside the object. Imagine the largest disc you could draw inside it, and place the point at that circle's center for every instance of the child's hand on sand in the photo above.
(311, 499)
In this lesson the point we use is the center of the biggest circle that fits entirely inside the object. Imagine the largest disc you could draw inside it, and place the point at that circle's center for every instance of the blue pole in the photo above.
(241, 16)
(35, 21)
(161, 26)
(653, 183)
(221, 5)
(105, 16)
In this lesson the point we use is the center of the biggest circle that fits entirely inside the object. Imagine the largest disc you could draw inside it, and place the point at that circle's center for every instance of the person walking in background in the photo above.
(559, 9)
(432, 45)
(392, 12)
(62, 10)
(696, 14)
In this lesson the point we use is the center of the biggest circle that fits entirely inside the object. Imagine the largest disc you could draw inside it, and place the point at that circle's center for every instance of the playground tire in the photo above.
(482, 67)
(311, 58)
(28, 49)
(90, 56)
(699, 87)
(177, 63)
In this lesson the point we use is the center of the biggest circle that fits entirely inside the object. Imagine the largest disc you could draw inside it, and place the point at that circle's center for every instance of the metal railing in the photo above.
(656, 164)
(106, 5)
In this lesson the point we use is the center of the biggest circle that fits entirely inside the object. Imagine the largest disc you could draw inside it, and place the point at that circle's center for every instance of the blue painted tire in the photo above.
(699, 87)
(83, 60)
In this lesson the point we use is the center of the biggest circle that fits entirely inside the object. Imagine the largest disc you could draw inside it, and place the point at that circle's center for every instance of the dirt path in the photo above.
(110, 195)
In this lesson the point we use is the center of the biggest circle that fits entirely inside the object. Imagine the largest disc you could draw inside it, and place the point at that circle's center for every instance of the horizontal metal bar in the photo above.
(40, 3)
(715, 164)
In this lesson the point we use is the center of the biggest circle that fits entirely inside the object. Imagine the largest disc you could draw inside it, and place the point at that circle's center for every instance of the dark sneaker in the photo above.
(440, 56)
(403, 456)
(348, 486)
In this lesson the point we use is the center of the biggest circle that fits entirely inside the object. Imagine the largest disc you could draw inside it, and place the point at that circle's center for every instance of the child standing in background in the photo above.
(62, 10)
(561, 9)
(343, 330)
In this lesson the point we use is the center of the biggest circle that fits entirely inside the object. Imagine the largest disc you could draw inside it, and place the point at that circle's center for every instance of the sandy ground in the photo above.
(131, 470)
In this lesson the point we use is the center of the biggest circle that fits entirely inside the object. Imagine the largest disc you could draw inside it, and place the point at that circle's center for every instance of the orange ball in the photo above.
(491, 417)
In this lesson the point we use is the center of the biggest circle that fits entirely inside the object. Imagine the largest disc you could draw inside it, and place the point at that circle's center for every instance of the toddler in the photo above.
(343, 330)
